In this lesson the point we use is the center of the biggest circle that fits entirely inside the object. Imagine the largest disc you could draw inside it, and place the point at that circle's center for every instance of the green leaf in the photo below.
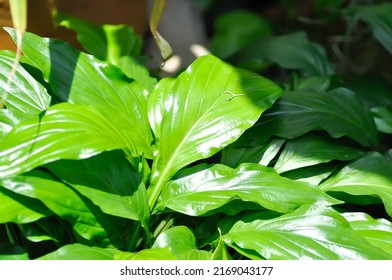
(263, 154)
(107, 179)
(26, 97)
(340, 112)
(308, 150)
(291, 51)
(20, 209)
(82, 79)
(383, 119)
(157, 10)
(51, 228)
(67, 204)
(45, 139)
(7, 122)
(209, 189)
(313, 175)
(106, 42)
(147, 254)
(230, 38)
(379, 20)
(369, 175)
(307, 233)
(134, 68)
(182, 243)
(12, 252)
(208, 107)
(377, 231)
(80, 252)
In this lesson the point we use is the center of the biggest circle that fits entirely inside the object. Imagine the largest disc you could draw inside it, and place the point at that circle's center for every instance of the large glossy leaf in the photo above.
(308, 150)
(229, 38)
(26, 97)
(107, 179)
(182, 243)
(147, 254)
(376, 231)
(369, 175)
(82, 79)
(80, 252)
(7, 122)
(106, 42)
(233, 156)
(208, 107)
(291, 51)
(212, 188)
(20, 209)
(379, 20)
(307, 233)
(65, 131)
(340, 112)
(91, 225)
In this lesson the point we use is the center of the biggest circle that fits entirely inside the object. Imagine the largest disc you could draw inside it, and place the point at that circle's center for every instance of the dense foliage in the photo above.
(101, 160)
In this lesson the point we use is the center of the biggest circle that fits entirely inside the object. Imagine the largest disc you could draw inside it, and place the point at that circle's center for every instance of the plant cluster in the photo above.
(101, 160)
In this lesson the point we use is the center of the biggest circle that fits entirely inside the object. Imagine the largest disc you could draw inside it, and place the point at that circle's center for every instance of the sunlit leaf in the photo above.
(26, 97)
(182, 243)
(307, 233)
(376, 231)
(80, 252)
(57, 135)
(79, 78)
(198, 116)
(209, 189)
(308, 150)
(20, 209)
(147, 254)
(369, 175)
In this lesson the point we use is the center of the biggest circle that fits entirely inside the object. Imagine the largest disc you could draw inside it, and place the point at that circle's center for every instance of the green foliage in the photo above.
(99, 160)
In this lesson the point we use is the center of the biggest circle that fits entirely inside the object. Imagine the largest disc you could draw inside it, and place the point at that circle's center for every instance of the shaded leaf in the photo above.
(291, 51)
(383, 119)
(263, 154)
(210, 189)
(340, 112)
(20, 209)
(67, 204)
(198, 116)
(107, 179)
(308, 150)
(377, 231)
(51, 228)
(13, 252)
(369, 175)
(182, 243)
(80, 252)
(307, 233)
(26, 97)
(379, 20)
(45, 139)
(230, 38)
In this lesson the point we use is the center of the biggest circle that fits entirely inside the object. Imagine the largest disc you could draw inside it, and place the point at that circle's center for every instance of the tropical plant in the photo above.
(99, 160)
